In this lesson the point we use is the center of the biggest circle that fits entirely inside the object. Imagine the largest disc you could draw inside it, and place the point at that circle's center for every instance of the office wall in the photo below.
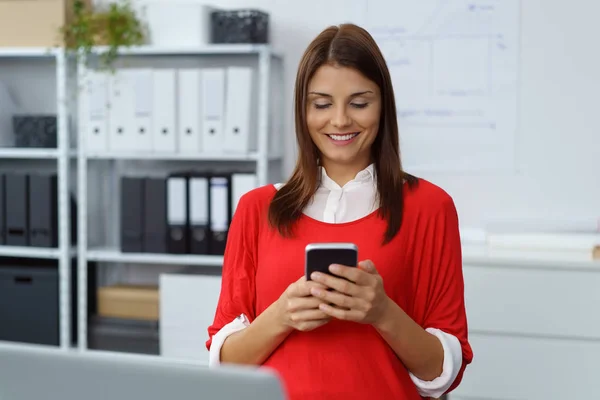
(558, 145)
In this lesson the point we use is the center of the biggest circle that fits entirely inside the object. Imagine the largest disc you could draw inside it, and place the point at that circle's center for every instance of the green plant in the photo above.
(113, 26)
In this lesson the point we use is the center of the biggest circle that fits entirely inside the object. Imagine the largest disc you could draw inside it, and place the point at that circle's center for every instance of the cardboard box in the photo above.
(129, 301)
(34, 23)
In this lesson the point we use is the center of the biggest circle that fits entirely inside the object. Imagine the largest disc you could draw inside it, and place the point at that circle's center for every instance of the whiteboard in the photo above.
(557, 141)
(454, 67)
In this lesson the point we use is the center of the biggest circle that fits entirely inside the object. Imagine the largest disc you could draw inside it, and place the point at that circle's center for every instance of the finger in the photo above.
(304, 303)
(336, 298)
(368, 266)
(314, 284)
(310, 325)
(308, 315)
(339, 284)
(353, 274)
(305, 288)
(342, 314)
(336, 283)
(299, 288)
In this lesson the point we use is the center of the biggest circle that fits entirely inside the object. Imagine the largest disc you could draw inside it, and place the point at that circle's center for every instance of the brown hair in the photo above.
(348, 46)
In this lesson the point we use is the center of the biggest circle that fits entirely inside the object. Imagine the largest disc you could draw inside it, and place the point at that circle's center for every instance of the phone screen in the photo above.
(320, 259)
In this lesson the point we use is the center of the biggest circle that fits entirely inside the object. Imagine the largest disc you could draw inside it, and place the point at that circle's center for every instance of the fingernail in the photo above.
(315, 275)
(315, 292)
(334, 268)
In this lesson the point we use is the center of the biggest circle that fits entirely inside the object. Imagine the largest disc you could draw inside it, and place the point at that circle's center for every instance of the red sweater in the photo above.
(421, 269)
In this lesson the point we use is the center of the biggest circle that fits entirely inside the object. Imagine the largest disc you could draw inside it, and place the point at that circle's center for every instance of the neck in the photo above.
(343, 173)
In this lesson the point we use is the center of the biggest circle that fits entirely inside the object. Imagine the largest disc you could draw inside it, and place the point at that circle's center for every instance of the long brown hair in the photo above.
(348, 46)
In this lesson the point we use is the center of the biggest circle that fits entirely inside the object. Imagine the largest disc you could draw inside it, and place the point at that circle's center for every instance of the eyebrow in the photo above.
(352, 95)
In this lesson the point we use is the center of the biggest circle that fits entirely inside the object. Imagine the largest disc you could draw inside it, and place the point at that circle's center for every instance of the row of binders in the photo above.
(28, 210)
(183, 213)
(167, 110)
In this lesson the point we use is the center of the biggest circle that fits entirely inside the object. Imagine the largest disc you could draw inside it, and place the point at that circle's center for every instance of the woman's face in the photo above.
(342, 115)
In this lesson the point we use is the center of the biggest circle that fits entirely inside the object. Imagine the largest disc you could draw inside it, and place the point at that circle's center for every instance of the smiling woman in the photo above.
(343, 86)
(393, 328)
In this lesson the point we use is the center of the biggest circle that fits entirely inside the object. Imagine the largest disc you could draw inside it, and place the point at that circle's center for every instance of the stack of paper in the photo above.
(587, 244)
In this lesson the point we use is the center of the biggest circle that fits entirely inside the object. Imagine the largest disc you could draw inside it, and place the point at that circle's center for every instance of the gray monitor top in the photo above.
(30, 373)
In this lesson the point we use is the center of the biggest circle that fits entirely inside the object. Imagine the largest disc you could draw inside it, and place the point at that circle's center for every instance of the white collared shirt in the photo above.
(333, 203)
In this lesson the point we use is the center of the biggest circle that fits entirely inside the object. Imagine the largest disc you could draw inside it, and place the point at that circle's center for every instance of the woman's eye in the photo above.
(354, 105)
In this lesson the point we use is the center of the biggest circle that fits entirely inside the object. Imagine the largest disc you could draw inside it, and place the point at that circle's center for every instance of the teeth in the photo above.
(343, 137)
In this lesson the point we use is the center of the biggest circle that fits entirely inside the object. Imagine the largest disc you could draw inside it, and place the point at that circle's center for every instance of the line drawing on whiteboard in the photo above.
(454, 67)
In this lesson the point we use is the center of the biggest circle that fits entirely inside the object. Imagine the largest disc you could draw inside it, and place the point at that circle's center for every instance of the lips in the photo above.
(343, 136)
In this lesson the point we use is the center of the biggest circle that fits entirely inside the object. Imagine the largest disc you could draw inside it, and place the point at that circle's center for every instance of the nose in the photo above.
(340, 118)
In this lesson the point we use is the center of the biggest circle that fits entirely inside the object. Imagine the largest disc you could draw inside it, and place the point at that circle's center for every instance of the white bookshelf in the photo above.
(29, 52)
(116, 256)
(30, 252)
(268, 66)
(52, 64)
(253, 156)
(55, 65)
(207, 50)
(33, 154)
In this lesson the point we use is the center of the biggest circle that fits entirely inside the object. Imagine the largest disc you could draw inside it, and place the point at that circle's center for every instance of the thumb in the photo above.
(368, 266)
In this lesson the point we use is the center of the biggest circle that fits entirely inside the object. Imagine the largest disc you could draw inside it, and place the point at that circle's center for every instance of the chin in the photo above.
(337, 158)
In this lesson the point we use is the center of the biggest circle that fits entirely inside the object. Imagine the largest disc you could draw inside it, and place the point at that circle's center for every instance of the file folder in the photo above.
(94, 111)
(199, 214)
(16, 202)
(142, 109)
(213, 109)
(177, 214)
(121, 122)
(220, 212)
(2, 212)
(239, 136)
(43, 211)
(132, 213)
(164, 107)
(241, 183)
(189, 124)
(155, 215)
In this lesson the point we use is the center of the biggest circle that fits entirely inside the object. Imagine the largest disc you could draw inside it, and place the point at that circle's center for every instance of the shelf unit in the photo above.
(12, 60)
(266, 62)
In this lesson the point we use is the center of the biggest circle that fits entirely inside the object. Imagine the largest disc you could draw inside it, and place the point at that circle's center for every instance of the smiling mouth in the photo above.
(343, 136)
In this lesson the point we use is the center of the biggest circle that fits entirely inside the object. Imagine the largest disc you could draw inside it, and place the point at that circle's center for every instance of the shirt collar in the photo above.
(367, 175)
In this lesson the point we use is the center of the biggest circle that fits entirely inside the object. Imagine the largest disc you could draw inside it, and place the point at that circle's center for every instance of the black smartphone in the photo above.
(319, 256)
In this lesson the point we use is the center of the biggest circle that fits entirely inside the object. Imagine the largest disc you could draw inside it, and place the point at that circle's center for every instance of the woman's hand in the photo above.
(360, 297)
(299, 310)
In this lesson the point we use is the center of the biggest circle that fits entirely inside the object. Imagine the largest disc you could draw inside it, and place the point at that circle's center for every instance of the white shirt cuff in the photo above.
(214, 357)
(452, 364)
